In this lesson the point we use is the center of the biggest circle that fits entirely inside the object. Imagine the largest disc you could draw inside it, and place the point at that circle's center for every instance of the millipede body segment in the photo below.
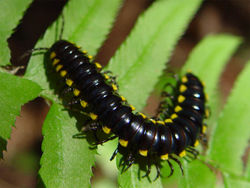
(164, 138)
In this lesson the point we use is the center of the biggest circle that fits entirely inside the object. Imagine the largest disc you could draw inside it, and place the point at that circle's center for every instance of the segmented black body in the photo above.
(151, 138)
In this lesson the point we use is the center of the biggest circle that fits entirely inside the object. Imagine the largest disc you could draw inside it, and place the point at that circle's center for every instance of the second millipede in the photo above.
(170, 136)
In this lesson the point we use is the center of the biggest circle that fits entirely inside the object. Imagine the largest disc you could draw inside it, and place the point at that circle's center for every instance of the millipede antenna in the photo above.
(62, 28)
(31, 51)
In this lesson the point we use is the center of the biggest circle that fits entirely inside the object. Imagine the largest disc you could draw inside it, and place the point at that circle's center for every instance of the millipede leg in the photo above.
(148, 169)
(166, 94)
(128, 162)
(171, 168)
(72, 103)
(66, 90)
(203, 139)
(178, 162)
(192, 151)
(93, 126)
(163, 109)
(187, 159)
(158, 170)
(131, 161)
(103, 141)
(114, 154)
(112, 78)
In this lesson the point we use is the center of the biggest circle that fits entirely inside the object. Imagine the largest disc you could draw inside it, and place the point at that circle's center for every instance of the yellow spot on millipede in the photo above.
(76, 92)
(207, 113)
(83, 103)
(183, 88)
(161, 122)
(142, 115)
(63, 73)
(204, 129)
(164, 157)
(98, 65)
(123, 143)
(106, 76)
(181, 98)
(84, 51)
(123, 98)
(196, 143)
(52, 55)
(93, 116)
(59, 67)
(55, 61)
(69, 82)
(184, 79)
(106, 129)
(182, 154)
(206, 97)
(132, 107)
(178, 108)
(168, 120)
(143, 152)
(173, 116)
(90, 56)
(114, 87)
(153, 121)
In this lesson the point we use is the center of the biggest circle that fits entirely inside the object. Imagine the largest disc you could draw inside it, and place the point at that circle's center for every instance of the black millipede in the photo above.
(169, 136)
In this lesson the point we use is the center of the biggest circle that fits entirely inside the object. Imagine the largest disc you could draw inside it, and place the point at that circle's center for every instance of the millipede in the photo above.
(172, 134)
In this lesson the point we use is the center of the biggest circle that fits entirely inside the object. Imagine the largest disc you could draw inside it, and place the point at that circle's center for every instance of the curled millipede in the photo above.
(171, 135)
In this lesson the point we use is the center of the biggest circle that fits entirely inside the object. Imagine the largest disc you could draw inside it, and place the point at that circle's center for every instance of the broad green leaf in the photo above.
(231, 181)
(66, 161)
(197, 174)
(86, 23)
(9, 9)
(142, 57)
(14, 92)
(230, 138)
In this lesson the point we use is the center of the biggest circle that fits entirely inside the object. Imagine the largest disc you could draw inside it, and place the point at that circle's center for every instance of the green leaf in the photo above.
(86, 23)
(141, 58)
(66, 161)
(230, 138)
(197, 174)
(14, 92)
(235, 181)
(9, 9)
